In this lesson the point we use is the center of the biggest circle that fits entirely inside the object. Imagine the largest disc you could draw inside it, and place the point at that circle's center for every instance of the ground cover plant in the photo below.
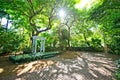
(31, 57)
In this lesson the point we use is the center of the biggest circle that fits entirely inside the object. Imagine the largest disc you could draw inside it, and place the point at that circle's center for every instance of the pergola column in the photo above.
(42, 47)
(34, 44)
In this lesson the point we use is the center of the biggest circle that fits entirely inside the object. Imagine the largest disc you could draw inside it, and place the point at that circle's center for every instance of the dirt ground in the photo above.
(67, 66)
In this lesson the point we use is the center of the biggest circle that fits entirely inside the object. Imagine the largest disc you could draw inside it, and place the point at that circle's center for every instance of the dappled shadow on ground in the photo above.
(82, 66)
(8, 68)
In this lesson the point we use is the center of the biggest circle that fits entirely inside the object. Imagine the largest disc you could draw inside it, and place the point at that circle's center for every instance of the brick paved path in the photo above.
(84, 67)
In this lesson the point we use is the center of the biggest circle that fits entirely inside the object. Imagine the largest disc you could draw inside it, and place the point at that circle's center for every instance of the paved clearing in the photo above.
(70, 66)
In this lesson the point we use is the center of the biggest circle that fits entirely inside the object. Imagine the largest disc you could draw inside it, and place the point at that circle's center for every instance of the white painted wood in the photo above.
(42, 44)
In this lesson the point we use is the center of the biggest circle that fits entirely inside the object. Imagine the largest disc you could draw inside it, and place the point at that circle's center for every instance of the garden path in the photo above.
(70, 66)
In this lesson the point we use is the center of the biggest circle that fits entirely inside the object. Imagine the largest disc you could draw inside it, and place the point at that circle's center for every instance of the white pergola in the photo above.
(42, 44)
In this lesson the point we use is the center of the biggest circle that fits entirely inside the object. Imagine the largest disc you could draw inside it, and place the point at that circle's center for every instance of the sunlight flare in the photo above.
(62, 13)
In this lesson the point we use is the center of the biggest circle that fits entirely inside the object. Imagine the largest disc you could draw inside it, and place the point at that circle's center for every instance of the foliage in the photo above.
(9, 41)
(27, 50)
(31, 57)
(95, 24)
(95, 42)
(107, 14)
(118, 70)
(115, 43)
(63, 37)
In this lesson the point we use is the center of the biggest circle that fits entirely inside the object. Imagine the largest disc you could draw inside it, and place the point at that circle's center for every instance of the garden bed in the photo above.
(31, 57)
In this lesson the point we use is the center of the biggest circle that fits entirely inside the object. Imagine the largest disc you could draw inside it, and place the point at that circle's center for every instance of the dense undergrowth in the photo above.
(118, 70)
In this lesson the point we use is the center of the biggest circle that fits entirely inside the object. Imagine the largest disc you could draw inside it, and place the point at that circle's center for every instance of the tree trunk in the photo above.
(6, 26)
(60, 42)
(68, 37)
(105, 46)
(86, 40)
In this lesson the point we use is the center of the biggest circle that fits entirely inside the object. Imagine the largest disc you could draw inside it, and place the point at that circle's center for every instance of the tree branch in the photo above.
(31, 5)
(31, 17)
(39, 31)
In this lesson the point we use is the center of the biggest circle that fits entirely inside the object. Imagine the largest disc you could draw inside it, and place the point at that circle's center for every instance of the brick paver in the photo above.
(84, 67)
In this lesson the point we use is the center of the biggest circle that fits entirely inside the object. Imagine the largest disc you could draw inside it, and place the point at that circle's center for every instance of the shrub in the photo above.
(9, 41)
(27, 50)
(118, 70)
(114, 46)
(95, 42)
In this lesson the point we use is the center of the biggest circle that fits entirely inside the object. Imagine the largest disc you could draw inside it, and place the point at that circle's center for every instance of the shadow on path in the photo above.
(85, 66)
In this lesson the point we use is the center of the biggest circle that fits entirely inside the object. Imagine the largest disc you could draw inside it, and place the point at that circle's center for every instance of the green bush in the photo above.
(9, 41)
(49, 48)
(95, 42)
(27, 50)
(114, 46)
(30, 57)
(118, 70)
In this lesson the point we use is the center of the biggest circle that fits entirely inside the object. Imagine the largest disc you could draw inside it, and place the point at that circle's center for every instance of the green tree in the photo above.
(105, 15)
